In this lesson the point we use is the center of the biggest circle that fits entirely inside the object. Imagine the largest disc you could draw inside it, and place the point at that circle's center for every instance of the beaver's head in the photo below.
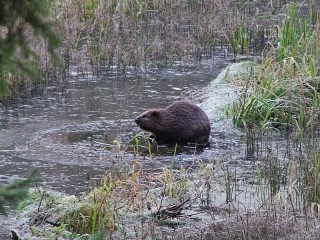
(150, 120)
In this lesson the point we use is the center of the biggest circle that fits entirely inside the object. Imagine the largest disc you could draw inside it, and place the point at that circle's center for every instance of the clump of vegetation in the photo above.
(121, 204)
(284, 96)
(40, 209)
(285, 91)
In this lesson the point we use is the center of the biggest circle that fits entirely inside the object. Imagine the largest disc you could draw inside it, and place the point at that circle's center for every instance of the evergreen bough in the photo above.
(16, 54)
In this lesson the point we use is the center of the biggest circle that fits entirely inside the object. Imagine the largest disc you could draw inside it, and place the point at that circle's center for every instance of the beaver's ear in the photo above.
(155, 113)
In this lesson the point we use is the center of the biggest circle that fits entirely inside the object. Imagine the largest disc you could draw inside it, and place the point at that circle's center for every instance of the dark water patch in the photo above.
(74, 137)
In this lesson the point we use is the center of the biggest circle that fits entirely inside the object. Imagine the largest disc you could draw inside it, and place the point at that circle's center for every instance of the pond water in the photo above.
(62, 133)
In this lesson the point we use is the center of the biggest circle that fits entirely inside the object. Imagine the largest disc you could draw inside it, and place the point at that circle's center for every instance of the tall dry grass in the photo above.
(135, 33)
(110, 36)
(100, 36)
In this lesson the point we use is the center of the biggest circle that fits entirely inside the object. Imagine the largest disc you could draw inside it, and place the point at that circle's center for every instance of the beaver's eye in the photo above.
(144, 116)
(155, 114)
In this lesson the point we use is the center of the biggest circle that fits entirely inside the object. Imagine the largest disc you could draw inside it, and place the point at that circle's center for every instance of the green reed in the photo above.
(285, 94)
(285, 87)
(239, 41)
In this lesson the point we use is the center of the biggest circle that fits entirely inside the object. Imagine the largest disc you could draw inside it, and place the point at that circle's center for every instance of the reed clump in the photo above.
(133, 33)
(283, 98)
(285, 91)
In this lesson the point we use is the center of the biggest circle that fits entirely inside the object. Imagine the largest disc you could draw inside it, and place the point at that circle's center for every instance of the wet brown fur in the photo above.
(181, 122)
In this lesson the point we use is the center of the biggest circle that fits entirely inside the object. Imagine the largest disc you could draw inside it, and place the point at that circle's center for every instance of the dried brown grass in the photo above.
(132, 33)
(99, 36)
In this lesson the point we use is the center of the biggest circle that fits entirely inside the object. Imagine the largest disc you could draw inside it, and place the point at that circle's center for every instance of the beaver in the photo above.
(181, 122)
